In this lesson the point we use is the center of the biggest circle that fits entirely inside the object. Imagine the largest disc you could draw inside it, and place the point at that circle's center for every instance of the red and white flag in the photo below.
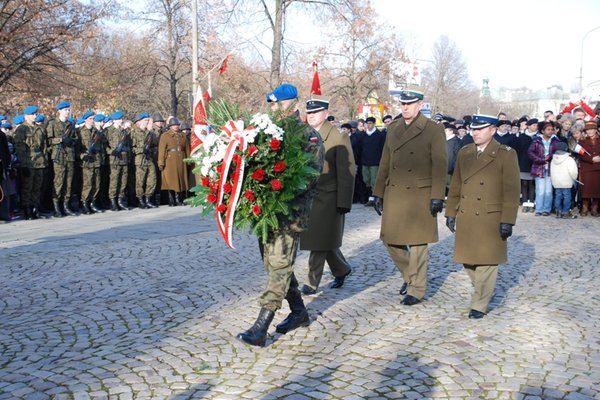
(224, 65)
(200, 122)
(316, 83)
(580, 150)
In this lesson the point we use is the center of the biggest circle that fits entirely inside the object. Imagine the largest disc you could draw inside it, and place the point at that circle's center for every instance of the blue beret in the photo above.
(87, 114)
(480, 121)
(6, 125)
(411, 94)
(282, 92)
(99, 118)
(18, 119)
(63, 104)
(30, 110)
(107, 118)
(141, 116)
(117, 115)
(2, 118)
(40, 118)
(80, 120)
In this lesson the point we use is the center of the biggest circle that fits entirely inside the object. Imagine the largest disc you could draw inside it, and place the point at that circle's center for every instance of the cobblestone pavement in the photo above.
(145, 304)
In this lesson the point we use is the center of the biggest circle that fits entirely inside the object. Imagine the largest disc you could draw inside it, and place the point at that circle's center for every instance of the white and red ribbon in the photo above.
(233, 130)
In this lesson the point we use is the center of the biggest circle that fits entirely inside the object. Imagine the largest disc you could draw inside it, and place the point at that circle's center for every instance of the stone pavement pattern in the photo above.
(145, 304)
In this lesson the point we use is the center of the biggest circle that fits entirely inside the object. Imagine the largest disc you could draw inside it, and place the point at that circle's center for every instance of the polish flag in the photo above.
(200, 122)
(581, 151)
(316, 83)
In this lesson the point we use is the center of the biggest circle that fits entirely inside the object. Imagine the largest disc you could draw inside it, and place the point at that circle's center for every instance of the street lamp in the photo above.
(581, 60)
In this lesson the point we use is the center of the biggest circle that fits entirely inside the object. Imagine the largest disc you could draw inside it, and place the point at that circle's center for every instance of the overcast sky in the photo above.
(514, 43)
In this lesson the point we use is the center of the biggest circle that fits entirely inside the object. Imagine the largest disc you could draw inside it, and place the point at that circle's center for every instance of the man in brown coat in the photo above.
(173, 148)
(335, 188)
(482, 206)
(410, 189)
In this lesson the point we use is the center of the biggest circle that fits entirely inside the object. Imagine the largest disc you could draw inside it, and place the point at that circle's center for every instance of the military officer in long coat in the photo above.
(482, 207)
(173, 148)
(333, 200)
(410, 190)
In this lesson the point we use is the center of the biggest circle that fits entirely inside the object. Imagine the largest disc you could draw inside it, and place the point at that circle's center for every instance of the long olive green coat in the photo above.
(173, 148)
(412, 172)
(335, 188)
(483, 193)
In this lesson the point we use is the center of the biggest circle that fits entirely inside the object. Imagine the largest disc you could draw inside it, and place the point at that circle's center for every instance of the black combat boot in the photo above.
(181, 197)
(177, 199)
(35, 214)
(113, 205)
(158, 199)
(149, 203)
(121, 203)
(84, 208)
(68, 210)
(171, 199)
(257, 334)
(142, 202)
(94, 208)
(57, 212)
(26, 213)
(298, 317)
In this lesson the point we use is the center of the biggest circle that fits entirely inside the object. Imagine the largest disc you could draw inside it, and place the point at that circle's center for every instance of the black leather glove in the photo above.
(436, 206)
(505, 230)
(378, 206)
(450, 223)
(343, 210)
(67, 141)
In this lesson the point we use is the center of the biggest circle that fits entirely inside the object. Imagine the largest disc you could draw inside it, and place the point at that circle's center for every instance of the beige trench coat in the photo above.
(484, 192)
(335, 188)
(173, 148)
(412, 172)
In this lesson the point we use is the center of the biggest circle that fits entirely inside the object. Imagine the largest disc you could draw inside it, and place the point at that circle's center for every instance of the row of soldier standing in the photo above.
(91, 147)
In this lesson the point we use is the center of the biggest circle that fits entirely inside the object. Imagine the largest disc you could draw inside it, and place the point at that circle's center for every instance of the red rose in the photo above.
(276, 184)
(236, 159)
(227, 187)
(252, 150)
(211, 198)
(220, 169)
(279, 166)
(205, 181)
(275, 144)
(249, 194)
(256, 209)
(221, 207)
(214, 186)
(259, 175)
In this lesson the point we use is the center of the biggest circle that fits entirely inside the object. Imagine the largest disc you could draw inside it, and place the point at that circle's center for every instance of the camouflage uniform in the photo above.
(120, 144)
(144, 145)
(65, 143)
(30, 147)
(95, 143)
(279, 251)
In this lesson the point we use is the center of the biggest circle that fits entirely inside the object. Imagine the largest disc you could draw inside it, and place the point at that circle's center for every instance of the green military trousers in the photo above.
(91, 183)
(118, 181)
(145, 180)
(278, 254)
(63, 180)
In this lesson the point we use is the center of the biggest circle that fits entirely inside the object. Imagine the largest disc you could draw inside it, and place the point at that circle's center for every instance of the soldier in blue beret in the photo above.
(279, 251)
(119, 141)
(66, 147)
(3, 119)
(95, 144)
(30, 146)
(145, 167)
(18, 120)
(40, 119)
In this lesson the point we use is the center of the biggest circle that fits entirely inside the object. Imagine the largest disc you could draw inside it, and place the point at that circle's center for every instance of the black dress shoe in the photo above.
(307, 290)
(338, 282)
(409, 300)
(403, 288)
(474, 314)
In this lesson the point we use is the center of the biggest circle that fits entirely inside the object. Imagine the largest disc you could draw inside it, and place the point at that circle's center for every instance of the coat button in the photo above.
(462, 211)
(481, 183)
(412, 152)
(477, 213)
(408, 187)
(410, 170)
(479, 198)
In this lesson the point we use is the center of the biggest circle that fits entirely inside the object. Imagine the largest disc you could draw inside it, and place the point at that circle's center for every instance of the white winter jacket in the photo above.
(563, 170)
